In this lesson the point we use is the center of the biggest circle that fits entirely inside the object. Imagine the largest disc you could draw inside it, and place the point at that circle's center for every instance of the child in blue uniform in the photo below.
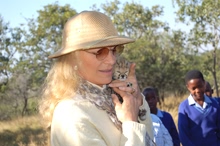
(198, 115)
(161, 134)
(152, 97)
(209, 91)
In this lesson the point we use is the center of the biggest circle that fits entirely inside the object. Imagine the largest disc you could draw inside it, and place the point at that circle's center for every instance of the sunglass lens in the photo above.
(119, 50)
(102, 53)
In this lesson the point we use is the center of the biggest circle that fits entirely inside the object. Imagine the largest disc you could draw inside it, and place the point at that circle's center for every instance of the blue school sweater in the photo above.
(217, 99)
(199, 126)
(168, 122)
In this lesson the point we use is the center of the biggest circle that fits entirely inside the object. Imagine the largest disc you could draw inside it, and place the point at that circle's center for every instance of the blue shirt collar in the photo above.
(193, 102)
(159, 113)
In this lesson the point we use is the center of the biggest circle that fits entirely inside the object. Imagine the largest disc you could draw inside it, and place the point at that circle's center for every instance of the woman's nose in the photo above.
(111, 58)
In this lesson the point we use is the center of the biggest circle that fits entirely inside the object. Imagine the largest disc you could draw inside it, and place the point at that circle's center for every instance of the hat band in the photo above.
(99, 41)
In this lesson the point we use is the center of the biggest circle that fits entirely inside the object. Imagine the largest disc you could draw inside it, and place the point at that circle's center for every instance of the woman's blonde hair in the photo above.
(61, 83)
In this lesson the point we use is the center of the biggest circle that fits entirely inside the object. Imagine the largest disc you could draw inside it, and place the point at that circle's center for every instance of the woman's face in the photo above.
(96, 71)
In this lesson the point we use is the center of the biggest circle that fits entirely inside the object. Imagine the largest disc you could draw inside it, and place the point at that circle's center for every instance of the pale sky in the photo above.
(15, 11)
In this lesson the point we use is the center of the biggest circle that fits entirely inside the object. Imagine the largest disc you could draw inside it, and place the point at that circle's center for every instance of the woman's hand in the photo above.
(132, 99)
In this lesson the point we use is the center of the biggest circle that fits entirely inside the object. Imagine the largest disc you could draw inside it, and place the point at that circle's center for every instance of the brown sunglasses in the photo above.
(103, 52)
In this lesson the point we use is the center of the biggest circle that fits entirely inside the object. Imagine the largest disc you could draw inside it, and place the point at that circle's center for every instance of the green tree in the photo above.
(24, 52)
(10, 39)
(162, 55)
(159, 52)
(43, 38)
(204, 16)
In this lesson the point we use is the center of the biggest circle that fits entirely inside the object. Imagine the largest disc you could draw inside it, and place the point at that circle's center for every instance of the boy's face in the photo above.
(196, 87)
(151, 98)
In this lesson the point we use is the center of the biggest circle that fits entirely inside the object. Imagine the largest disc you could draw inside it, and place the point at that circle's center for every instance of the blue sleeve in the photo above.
(174, 133)
(183, 124)
(218, 124)
(217, 99)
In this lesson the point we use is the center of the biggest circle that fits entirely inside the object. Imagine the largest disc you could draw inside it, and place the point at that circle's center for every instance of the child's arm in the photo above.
(218, 122)
(173, 130)
(184, 133)
(166, 136)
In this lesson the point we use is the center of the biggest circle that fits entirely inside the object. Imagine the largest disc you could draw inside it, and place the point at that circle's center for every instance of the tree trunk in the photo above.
(25, 106)
(215, 45)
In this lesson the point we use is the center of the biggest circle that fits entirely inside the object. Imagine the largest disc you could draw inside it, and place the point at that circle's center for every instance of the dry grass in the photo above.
(171, 104)
(32, 122)
(28, 131)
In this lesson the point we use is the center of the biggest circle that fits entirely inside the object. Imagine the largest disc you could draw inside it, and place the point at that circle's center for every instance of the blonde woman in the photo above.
(76, 102)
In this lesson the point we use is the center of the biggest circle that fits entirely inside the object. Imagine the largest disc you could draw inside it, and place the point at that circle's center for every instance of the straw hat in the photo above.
(89, 29)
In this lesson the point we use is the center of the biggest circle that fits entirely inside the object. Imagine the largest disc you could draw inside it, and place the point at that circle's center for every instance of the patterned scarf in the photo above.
(101, 98)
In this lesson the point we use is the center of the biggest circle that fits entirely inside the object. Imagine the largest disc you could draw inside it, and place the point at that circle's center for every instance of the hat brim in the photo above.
(111, 41)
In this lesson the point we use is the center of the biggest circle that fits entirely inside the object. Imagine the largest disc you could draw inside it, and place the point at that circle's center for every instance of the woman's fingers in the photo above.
(130, 90)
(132, 70)
(132, 78)
(128, 109)
(116, 100)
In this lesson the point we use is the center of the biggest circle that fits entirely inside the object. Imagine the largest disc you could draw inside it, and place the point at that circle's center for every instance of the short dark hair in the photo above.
(193, 74)
(149, 89)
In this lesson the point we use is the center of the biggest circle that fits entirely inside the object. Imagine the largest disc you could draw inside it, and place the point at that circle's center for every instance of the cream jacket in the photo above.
(80, 123)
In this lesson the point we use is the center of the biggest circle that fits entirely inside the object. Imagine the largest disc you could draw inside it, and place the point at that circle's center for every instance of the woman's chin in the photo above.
(107, 82)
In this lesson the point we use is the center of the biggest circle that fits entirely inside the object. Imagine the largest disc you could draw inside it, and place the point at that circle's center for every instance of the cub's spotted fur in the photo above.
(121, 71)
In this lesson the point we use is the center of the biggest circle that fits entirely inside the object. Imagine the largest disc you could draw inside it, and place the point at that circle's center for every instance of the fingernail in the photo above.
(121, 88)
